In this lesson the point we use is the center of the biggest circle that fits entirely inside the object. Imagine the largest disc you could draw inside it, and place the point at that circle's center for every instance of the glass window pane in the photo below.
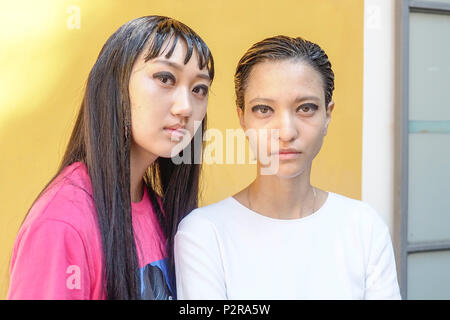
(428, 275)
(429, 67)
(429, 187)
(444, 1)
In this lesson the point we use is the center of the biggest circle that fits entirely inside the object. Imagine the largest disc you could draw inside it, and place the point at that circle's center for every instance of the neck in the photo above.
(282, 198)
(140, 160)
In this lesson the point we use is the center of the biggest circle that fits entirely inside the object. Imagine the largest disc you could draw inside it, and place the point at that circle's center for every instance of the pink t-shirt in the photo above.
(58, 251)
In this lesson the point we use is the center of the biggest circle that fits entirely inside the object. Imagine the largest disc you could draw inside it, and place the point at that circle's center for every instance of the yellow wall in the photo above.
(45, 65)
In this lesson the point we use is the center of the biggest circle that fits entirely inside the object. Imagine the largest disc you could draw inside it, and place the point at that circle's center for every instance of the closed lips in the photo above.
(175, 132)
(176, 128)
(287, 151)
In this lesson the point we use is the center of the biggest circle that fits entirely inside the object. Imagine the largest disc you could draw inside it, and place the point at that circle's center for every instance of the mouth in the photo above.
(287, 154)
(176, 133)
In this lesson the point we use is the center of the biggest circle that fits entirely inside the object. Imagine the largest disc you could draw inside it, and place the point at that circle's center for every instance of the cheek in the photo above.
(146, 97)
(260, 134)
(199, 111)
(147, 118)
(142, 123)
(198, 114)
(149, 105)
(315, 140)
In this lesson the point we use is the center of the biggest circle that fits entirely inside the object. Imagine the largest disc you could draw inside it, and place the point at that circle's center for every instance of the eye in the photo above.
(262, 109)
(308, 108)
(165, 77)
(201, 90)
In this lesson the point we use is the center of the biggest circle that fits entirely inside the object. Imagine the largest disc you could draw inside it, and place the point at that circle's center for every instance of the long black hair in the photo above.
(101, 139)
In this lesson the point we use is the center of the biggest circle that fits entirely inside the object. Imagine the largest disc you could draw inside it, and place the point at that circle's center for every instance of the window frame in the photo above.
(408, 6)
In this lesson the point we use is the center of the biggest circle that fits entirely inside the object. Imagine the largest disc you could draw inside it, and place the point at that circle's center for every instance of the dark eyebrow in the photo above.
(203, 76)
(180, 67)
(260, 99)
(169, 63)
(297, 100)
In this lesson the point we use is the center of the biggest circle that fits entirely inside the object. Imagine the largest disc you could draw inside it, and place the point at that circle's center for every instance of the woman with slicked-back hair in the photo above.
(281, 237)
(103, 227)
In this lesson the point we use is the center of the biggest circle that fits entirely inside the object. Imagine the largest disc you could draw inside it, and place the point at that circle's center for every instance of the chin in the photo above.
(289, 175)
(285, 171)
(167, 153)
(163, 150)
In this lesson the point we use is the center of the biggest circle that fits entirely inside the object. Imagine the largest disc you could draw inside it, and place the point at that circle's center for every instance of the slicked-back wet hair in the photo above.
(280, 48)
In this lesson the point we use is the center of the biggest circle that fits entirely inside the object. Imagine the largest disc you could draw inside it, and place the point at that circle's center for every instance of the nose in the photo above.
(288, 130)
(182, 105)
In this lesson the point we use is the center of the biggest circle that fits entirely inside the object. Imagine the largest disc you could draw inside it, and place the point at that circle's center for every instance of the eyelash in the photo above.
(312, 107)
(164, 75)
(260, 107)
(167, 75)
(202, 87)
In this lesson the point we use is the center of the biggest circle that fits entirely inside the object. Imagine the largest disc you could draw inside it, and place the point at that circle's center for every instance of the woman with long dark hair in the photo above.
(281, 237)
(103, 227)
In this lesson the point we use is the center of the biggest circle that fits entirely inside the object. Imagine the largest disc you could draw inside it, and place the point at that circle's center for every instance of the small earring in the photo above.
(127, 125)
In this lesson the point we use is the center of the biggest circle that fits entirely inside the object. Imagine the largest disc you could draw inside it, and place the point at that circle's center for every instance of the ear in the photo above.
(328, 117)
(241, 117)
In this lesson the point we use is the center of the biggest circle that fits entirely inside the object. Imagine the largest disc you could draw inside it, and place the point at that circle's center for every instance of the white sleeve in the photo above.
(198, 262)
(381, 275)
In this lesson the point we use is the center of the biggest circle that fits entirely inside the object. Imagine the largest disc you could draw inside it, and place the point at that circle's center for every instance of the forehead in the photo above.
(174, 52)
(284, 79)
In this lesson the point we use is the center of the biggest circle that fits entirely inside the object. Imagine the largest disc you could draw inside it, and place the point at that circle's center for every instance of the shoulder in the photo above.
(357, 212)
(67, 201)
(213, 216)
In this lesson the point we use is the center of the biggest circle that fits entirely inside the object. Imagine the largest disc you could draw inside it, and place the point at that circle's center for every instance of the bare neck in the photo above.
(282, 198)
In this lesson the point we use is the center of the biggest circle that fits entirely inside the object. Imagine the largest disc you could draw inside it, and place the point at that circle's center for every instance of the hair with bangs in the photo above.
(101, 139)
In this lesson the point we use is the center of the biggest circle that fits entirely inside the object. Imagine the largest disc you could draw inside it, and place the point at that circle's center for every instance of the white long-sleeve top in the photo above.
(342, 251)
